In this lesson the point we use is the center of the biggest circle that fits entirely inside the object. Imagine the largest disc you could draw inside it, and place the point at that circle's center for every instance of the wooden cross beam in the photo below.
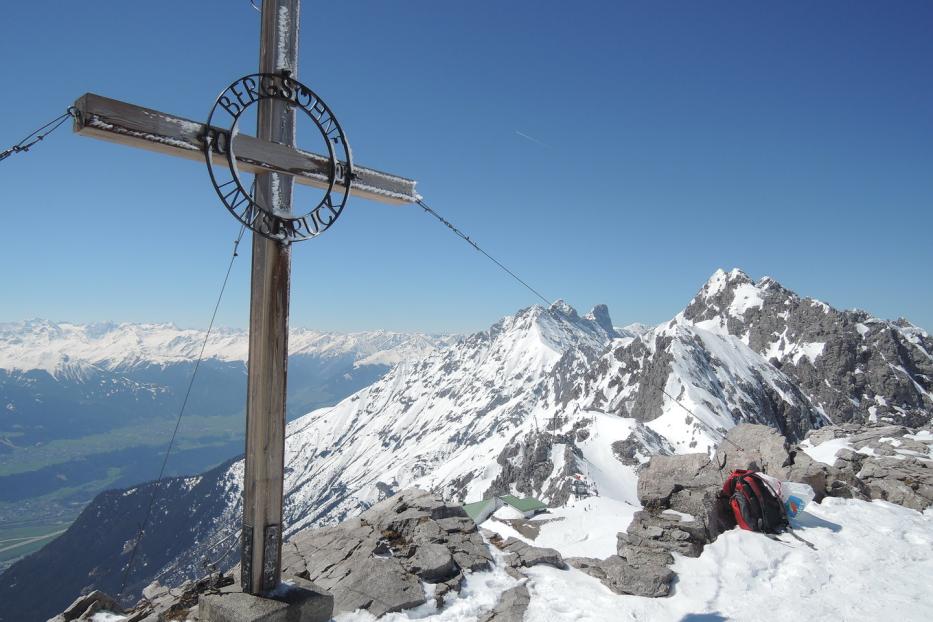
(127, 124)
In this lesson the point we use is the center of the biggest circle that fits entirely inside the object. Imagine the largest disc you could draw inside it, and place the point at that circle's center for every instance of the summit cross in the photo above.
(277, 163)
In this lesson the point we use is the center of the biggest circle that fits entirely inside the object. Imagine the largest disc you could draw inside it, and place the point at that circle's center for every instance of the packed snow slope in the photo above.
(554, 405)
(873, 561)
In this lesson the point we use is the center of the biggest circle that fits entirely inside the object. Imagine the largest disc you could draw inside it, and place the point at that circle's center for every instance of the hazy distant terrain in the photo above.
(90, 407)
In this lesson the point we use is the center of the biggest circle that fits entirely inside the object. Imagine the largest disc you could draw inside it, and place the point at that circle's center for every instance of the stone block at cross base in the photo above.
(301, 602)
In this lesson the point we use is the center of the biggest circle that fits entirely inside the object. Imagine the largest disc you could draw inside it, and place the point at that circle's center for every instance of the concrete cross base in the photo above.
(302, 601)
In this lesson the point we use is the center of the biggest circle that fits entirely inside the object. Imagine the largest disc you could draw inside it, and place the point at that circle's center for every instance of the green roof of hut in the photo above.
(475, 509)
(528, 504)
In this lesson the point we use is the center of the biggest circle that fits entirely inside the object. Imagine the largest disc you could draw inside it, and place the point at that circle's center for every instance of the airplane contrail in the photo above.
(533, 139)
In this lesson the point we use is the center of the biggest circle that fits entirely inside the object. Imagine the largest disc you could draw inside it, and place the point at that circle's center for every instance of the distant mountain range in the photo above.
(63, 348)
(68, 380)
(84, 408)
(541, 402)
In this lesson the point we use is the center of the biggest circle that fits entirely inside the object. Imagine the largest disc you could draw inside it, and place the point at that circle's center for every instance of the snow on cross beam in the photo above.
(128, 124)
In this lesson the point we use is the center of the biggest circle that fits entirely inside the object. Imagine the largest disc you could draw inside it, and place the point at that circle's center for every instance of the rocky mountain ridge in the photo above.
(754, 351)
(545, 403)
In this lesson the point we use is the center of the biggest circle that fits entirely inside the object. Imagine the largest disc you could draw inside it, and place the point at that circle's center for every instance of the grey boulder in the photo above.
(652, 578)
(525, 555)
(511, 606)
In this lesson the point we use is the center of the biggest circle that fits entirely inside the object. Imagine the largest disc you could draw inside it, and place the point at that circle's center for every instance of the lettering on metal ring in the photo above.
(335, 170)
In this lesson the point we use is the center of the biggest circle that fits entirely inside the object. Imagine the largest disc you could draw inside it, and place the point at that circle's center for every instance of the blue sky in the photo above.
(790, 139)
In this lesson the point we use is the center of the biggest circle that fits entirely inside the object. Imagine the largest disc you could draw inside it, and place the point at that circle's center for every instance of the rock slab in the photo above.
(300, 602)
(511, 607)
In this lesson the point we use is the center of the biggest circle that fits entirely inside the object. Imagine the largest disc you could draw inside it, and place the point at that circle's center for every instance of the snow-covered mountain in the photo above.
(850, 365)
(59, 348)
(546, 403)
(757, 352)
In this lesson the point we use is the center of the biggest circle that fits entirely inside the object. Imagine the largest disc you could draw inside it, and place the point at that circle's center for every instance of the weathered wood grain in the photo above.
(264, 468)
(128, 124)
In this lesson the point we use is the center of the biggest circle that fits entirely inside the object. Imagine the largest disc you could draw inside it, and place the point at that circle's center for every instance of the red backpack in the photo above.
(753, 503)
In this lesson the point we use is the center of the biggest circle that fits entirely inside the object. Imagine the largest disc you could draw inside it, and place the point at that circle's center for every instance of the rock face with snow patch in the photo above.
(745, 351)
(683, 511)
(851, 366)
(892, 463)
(649, 576)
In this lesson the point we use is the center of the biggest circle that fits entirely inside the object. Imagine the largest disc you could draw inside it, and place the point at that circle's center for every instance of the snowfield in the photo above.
(872, 561)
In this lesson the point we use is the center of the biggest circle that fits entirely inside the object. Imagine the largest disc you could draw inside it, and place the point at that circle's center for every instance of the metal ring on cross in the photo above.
(333, 172)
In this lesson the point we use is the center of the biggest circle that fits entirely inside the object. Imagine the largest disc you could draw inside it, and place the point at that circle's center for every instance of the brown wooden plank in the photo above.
(128, 124)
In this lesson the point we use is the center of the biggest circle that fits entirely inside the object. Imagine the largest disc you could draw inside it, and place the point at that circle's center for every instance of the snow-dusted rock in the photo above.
(755, 447)
(525, 555)
(906, 482)
(511, 606)
(657, 530)
(433, 563)
(651, 577)
(892, 463)
(86, 606)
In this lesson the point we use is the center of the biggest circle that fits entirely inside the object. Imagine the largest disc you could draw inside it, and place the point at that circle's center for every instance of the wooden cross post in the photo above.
(263, 479)
(276, 162)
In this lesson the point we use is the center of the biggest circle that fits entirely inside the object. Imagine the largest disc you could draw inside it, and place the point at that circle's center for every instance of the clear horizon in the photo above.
(618, 154)
(580, 311)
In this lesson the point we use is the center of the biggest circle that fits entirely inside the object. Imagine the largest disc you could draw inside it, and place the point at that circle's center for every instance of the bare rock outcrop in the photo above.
(379, 560)
(889, 462)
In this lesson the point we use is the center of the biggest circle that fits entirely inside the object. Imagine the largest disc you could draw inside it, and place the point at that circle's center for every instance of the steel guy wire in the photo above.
(708, 426)
(142, 527)
(469, 241)
(35, 136)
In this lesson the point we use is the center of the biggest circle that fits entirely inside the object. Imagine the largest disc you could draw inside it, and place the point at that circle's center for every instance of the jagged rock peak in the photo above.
(600, 315)
(721, 279)
(732, 294)
(851, 365)
(558, 326)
